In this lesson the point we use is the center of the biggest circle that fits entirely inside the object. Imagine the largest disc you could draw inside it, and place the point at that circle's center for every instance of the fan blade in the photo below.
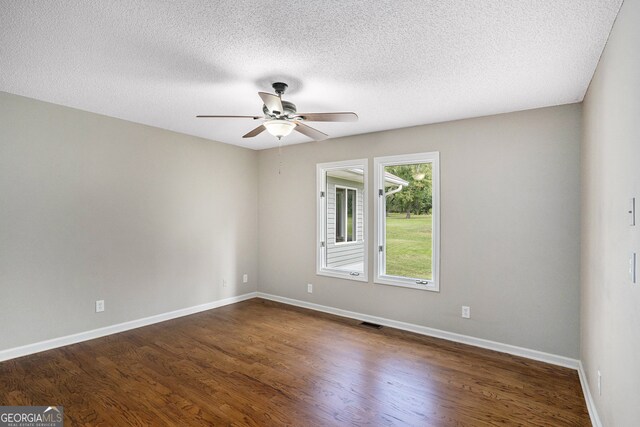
(312, 133)
(256, 131)
(273, 102)
(230, 117)
(328, 117)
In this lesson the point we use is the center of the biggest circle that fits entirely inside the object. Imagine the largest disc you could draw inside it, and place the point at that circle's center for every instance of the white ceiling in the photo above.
(395, 63)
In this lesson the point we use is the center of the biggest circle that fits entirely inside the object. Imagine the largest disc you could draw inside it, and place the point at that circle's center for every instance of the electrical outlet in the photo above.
(245, 278)
(599, 383)
(466, 312)
(224, 283)
(99, 306)
(309, 288)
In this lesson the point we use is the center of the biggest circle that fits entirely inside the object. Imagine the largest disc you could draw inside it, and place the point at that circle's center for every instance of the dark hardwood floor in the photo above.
(261, 363)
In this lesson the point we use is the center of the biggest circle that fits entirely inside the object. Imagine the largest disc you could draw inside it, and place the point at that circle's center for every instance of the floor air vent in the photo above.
(371, 325)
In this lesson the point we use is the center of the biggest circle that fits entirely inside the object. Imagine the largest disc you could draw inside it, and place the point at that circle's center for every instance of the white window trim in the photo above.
(379, 163)
(355, 215)
(321, 220)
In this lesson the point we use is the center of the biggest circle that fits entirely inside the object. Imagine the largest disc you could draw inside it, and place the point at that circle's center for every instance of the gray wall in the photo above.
(510, 227)
(610, 176)
(93, 207)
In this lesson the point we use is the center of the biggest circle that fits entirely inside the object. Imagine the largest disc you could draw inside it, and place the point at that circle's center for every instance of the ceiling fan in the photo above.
(281, 117)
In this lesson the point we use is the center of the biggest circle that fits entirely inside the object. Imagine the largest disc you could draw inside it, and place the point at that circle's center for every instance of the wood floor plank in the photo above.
(261, 363)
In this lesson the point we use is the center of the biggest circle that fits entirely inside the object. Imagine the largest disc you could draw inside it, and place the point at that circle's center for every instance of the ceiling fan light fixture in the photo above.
(279, 128)
(282, 117)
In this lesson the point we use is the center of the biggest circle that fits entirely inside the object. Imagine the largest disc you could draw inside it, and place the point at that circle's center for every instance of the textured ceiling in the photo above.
(395, 63)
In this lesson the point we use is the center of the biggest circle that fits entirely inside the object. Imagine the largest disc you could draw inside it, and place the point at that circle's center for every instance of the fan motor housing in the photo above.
(289, 109)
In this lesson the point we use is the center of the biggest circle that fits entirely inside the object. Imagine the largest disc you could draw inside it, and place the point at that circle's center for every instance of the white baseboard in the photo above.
(423, 330)
(591, 406)
(25, 350)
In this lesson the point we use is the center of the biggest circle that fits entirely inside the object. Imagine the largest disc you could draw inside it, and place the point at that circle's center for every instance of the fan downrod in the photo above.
(279, 88)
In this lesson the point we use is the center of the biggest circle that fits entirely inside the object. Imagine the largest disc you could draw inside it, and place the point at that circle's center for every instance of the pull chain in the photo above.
(280, 156)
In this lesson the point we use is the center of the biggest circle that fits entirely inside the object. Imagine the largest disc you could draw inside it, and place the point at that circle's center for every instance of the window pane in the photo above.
(340, 215)
(408, 220)
(342, 244)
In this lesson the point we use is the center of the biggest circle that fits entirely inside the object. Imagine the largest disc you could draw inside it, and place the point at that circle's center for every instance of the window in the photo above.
(346, 199)
(342, 214)
(408, 220)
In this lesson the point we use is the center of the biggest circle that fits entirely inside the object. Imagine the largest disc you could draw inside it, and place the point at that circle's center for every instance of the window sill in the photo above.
(343, 275)
(431, 286)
